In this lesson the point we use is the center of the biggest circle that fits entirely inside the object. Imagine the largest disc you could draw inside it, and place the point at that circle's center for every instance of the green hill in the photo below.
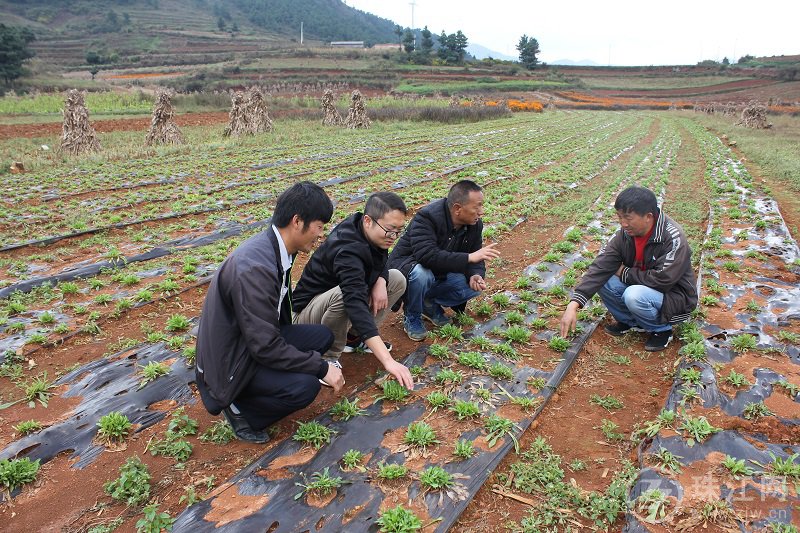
(125, 33)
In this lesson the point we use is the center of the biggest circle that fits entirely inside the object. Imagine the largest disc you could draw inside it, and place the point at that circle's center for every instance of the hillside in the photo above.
(124, 33)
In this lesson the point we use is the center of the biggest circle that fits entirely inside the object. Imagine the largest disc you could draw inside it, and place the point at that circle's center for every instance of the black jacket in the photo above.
(668, 269)
(432, 242)
(348, 260)
(239, 326)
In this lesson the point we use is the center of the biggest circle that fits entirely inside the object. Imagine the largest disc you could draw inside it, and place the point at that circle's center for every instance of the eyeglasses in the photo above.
(390, 233)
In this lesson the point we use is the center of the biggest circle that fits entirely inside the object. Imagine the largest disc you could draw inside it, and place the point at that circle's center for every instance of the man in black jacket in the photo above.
(442, 257)
(644, 273)
(253, 365)
(346, 285)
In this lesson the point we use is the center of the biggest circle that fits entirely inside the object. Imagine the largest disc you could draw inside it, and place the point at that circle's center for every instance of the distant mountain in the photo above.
(481, 52)
(570, 62)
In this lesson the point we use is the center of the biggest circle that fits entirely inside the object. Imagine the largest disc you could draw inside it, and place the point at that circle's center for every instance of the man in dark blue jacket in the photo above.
(346, 285)
(442, 256)
(253, 365)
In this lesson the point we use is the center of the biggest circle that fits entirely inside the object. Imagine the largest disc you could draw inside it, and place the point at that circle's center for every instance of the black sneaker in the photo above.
(358, 346)
(658, 340)
(242, 429)
(618, 329)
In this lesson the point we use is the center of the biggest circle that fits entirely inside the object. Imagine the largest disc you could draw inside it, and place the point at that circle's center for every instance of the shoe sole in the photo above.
(413, 337)
(657, 348)
(432, 321)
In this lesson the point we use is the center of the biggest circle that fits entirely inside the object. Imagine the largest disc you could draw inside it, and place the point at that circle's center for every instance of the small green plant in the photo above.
(789, 337)
(464, 409)
(743, 343)
(514, 317)
(609, 429)
(537, 383)
(420, 435)
(133, 484)
(437, 400)
(527, 403)
(559, 343)
(464, 320)
(480, 342)
(464, 449)
(538, 323)
(68, 287)
(398, 520)
(321, 484)
(505, 350)
(220, 432)
(352, 459)
(690, 375)
(439, 351)
(501, 300)
(178, 323)
(694, 351)
(189, 496)
(736, 379)
(436, 478)
(484, 309)
(312, 433)
(16, 472)
(789, 467)
(152, 371)
(518, 334)
(393, 391)
(496, 427)
(697, 429)
(391, 471)
(578, 465)
(667, 460)
(731, 266)
(607, 402)
(103, 299)
(450, 332)
(753, 307)
(472, 360)
(448, 376)
(417, 371)
(28, 426)
(114, 427)
(709, 301)
(345, 409)
(501, 371)
(154, 521)
(756, 410)
(736, 467)
(653, 504)
(789, 388)
(38, 389)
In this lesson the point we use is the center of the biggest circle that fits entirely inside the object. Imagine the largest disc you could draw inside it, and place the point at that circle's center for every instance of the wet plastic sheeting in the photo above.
(105, 385)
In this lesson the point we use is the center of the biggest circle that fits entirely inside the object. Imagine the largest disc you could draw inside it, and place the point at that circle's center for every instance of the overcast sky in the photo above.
(670, 32)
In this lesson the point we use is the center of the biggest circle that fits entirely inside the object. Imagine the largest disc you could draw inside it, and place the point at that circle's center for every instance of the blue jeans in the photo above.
(635, 305)
(423, 286)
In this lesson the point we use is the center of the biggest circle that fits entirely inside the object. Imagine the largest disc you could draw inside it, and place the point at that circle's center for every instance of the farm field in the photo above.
(104, 264)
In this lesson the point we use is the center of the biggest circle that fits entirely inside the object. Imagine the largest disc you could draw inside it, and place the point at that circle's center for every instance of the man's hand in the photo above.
(400, 373)
(486, 253)
(620, 269)
(569, 319)
(334, 378)
(477, 283)
(378, 297)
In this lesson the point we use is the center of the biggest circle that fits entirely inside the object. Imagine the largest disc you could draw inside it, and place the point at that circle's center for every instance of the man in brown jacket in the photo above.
(643, 274)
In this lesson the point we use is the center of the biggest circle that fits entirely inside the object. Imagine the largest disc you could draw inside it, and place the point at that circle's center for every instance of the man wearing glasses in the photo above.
(347, 286)
(442, 256)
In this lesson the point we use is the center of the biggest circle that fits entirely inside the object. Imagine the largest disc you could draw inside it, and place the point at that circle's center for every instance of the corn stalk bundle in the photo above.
(455, 101)
(331, 116)
(357, 114)
(77, 135)
(754, 116)
(237, 118)
(163, 129)
(256, 114)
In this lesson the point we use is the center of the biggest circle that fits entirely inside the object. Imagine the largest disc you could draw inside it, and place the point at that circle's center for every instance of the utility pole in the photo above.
(413, 3)
(301, 32)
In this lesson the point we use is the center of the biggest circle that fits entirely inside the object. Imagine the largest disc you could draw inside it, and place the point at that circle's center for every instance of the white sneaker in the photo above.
(338, 365)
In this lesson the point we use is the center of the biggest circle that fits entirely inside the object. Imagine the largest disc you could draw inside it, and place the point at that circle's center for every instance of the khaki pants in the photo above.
(328, 309)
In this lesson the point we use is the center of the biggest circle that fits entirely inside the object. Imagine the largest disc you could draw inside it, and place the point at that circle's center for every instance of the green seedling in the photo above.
(114, 427)
(559, 343)
(103, 299)
(501, 371)
(68, 287)
(788, 337)
(392, 471)
(38, 389)
(345, 409)
(448, 376)
(439, 351)
(518, 334)
(607, 402)
(16, 472)
(436, 478)
(789, 467)
(537, 383)
(393, 391)
(668, 461)
(398, 520)
(653, 504)
(609, 429)
(484, 309)
(694, 351)
(496, 427)
(697, 429)
(709, 301)
(220, 432)
(538, 323)
(472, 360)
(526, 403)
(736, 379)
(464, 409)
(420, 435)
(437, 400)
(417, 371)
(464, 320)
(312, 433)
(480, 342)
(690, 375)
(789, 388)
(152, 371)
(189, 353)
(133, 484)
(743, 343)
(688, 394)
(756, 410)
(352, 460)
(752, 307)
(514, 317)
(464, 449)
(731, 266)
(501, 300)
(736, 467)
(178, 323)
(321, 484)
(27, 427)
(578, 465)
(505, 350)
(450, 332)
(154, 521)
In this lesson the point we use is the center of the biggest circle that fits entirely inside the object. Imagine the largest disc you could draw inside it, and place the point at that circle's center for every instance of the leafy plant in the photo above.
(690, 375)
(447, 375)
(152, 371)
(345, 409)
(391, 471)
(16, 472)
(154, 521)
(789, 467)
(464, 449)
(220, 432)
(420, 435)
(321, 484)
(607, 402)
(27, 426)
(464, 409)
(133, 484)
(697, 429)
(505, 349)
(736, 379)
(537, 383)
(736, 467)
(352, 459)
(114, 427)
(398, 520)
(496, 427)
(501, 300)
(518, 334)
(501, 371)
(451, 332)
(393, 391)
(436, 478)
(559, 343)
(312, 433)
(654, 504)
(473, 360)
(484, 309)
(438, 400)
(178, 323)
(790, 388)
(743, 343)
(609, 429)
(667, 460)
(440, 351)
(38, 389)
(755, 410)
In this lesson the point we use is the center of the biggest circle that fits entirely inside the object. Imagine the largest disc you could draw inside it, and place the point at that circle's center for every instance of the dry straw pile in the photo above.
(248, 114)
(754, 116)
(331, 116)
(237, 119)
(77, 135)
(163, 129)
(357, 114)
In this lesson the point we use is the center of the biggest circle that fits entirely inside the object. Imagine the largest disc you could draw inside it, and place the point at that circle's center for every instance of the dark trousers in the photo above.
(274, 394)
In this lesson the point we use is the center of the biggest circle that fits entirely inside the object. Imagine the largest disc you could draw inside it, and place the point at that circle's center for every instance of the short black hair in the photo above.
(380, 203)
(639, 200)
(459, 192)
(306, 200)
